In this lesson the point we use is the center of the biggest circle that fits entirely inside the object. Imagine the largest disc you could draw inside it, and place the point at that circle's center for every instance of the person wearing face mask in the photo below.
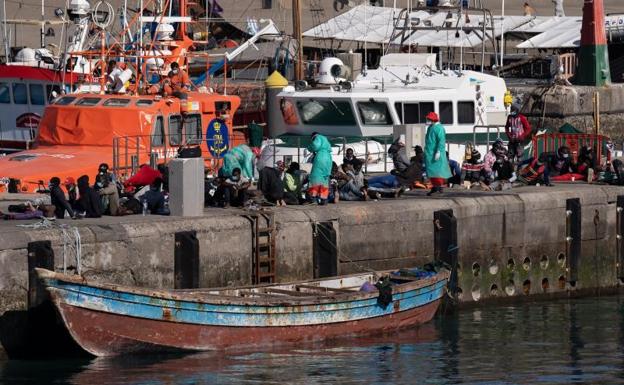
(518, 130)
(89, 199)
(558, 164)
(57, 198)
(436, 163)
(177, 81)
(235, 188)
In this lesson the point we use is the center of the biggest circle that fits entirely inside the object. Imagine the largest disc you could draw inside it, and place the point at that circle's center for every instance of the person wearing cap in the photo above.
(57, 198)
(318, 181)
(518, 130)
(399, 155)
(436, 163)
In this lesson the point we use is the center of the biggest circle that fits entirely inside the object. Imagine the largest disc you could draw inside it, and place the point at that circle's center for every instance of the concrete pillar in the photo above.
(186, 187)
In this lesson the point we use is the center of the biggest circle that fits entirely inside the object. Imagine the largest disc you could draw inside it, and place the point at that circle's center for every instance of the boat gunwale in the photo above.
(202, 296)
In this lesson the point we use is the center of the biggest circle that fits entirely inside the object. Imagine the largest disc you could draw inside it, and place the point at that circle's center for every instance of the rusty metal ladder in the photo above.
(263, 247)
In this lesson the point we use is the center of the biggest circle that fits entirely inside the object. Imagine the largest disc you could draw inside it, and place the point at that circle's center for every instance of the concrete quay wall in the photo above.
(510, 244)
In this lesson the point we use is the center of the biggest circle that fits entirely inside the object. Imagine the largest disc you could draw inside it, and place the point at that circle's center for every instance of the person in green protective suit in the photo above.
(239, 157)
(321, 168)
(436, 162)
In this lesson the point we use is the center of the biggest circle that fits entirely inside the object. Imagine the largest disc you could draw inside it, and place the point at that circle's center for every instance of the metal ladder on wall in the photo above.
(263, 247)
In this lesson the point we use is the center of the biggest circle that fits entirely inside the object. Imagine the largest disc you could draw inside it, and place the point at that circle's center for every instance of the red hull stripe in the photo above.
(34, 73)
(107, 334)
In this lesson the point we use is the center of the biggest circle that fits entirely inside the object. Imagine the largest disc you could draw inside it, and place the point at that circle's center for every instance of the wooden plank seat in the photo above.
(324, 289)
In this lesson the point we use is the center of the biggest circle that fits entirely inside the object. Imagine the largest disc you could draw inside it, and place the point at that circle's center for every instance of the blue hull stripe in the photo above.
(147, 307)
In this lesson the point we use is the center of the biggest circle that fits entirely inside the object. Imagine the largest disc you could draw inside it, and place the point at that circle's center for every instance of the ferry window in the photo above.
(37, 97)
(326, 113)
(20, 95)
(175, 130)
(424, 110)
(144, 102)
(115, 102)
(465, 112)
(408, 112)
(288, 112)
(65, 100)
(158, 133)
(415, 113)
(446, 112)
(374, 113)
(51, 90)
(88, 101)
(193, 128)
(5, 94)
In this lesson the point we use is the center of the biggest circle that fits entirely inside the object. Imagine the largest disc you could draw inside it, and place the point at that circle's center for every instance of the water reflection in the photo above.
(580, 341)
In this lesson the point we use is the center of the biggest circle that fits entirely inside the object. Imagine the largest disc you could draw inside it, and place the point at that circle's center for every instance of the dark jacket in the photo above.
(57, 196)
(155, 201)
(270, 183)
(89, 198)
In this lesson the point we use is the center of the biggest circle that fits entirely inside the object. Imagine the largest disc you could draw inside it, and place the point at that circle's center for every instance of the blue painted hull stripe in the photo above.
(141, 306)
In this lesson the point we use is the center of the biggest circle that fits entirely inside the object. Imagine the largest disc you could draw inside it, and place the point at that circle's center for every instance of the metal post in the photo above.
(299, 150)
(385, 155)
(40, 254)
(135, 164)
(186, 260)
(573, 239)
(127, 150)
(366, 156)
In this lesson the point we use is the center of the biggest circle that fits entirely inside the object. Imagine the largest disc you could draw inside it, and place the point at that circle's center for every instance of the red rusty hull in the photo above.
(107, 334)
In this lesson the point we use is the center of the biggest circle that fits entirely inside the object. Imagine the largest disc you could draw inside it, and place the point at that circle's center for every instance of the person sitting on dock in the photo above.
(531, 171)
(497, 151)
(89, 199)
(271, 185)
(155, 198)
(559, 164)
(292, 185)
(109, 194)
(456, 178)
(399, 155)
(72, 193)
(354, 188)
(57, 197)
(234, 189)
(177, 81)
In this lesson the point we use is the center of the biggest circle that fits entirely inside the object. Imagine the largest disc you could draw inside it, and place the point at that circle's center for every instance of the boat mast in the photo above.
(296, 9)
(42, 23)
(5, 37)
(502, 48)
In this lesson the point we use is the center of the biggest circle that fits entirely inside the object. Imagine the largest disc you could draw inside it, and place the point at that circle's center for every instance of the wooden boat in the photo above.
(106, 319)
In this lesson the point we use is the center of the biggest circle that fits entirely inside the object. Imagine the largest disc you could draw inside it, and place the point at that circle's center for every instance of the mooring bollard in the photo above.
(619, 229)
(445, 243)
(186, 260)
(573, 239)
(40, 254)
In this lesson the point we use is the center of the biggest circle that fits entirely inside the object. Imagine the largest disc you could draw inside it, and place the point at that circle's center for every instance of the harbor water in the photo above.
(559, 342)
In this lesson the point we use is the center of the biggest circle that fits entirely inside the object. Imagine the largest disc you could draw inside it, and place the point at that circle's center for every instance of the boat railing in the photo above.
(130, 152)
(489, 133)
(375, 151)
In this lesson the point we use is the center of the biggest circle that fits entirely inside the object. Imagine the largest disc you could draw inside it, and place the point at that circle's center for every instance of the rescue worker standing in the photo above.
(321, 168)
(518, 130)
(177, 81)
(436, 163)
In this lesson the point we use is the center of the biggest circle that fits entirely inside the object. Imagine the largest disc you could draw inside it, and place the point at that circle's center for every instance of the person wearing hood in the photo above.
(57, 198)
(235, 189)
(559, 163)
(436, 163)
(497, 152)
(318, 189)
(89, 198)
(399, 155)
(271, 185)
(518, 130)
(292, 185)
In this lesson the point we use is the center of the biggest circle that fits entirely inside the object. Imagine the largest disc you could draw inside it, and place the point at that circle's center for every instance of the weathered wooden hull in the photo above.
(109, 320)
(106, 334)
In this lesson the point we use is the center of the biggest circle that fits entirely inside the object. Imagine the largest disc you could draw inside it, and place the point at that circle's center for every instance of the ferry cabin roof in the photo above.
(366, 110)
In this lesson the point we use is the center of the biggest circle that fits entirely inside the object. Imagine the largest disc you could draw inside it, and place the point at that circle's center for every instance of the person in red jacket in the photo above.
(518, 130)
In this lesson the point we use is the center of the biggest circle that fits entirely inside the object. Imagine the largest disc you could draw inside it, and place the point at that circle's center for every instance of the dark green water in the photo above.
(562, 342)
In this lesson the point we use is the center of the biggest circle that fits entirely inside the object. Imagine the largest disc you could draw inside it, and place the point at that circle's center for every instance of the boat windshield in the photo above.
(88, 101)
(65, 100)
(115, 102)
(374, 113)
(326, 113)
